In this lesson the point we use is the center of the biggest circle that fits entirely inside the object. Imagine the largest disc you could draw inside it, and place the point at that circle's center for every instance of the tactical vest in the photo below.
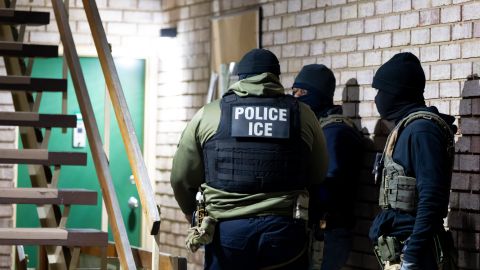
(335, 119)
(257, 146)
(397, 190)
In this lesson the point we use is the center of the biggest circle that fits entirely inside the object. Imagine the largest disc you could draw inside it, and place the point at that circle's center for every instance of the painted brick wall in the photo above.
(188, 60)
(132, 26)
(353, 38)
(7, 140)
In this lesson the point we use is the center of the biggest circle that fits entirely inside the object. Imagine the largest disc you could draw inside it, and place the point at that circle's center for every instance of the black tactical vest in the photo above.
(257, 146)
(397, 190)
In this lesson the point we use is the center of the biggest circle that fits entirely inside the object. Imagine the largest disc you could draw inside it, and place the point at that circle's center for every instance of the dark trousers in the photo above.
(427, 261)
(255, 243)
(337, 246)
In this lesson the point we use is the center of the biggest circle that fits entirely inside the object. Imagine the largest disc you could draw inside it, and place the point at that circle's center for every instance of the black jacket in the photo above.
(336, 196)
(422, 151)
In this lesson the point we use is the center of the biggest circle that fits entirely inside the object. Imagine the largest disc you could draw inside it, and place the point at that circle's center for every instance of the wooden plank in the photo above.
(32, 233)
(21, 261)
(99, 158)
(169, 262)
(47, 196)
(25, 83)
(142, 180)
(74, 259)
(10, 16)
(143, 258)
(31, 138)
(19, 49)
(37, 120)
(41, 156)
(53, 237)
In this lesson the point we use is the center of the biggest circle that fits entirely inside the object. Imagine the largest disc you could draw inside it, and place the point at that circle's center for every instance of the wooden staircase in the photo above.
(61, 245)
(54, 234)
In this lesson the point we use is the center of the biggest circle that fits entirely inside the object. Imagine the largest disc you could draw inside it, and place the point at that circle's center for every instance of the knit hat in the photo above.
(400, 83)
(319, 81)
(258, 61)
(402, 75)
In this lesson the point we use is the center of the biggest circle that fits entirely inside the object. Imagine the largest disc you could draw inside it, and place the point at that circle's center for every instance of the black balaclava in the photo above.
(258, 61)
(400, 83)
(319, 81)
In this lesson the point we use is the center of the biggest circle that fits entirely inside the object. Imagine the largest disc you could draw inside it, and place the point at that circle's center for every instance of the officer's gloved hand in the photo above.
(409, 266)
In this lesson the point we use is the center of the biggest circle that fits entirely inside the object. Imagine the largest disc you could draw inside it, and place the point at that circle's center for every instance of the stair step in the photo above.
(27, 50)
(25, 83)
(42, 157)
(142, 257)
(37, 120)
(10, 16)
(53, 236)
(47, 196)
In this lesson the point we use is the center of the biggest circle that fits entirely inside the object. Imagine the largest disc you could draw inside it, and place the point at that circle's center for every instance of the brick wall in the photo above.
(353, 38)
(132, 28)
(7, 140)
(177, 103)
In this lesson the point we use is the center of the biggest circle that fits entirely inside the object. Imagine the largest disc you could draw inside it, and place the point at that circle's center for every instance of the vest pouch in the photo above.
(401, 193)
(388, 249)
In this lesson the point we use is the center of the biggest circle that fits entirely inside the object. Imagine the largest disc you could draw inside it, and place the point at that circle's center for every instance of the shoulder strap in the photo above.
(336, 118)
(447, 132)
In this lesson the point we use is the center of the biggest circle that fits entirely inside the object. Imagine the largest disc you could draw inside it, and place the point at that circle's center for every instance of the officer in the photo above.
(332, 217)
(417, 169)
(253, 153)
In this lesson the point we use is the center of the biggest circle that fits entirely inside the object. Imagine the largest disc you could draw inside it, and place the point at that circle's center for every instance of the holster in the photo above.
(388, 249)
(445, 252)
(378, 167)
(300, 209)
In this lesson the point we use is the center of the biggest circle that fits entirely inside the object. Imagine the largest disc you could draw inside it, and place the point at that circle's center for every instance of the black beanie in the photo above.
(258, 61)
(319, 81)
(402, 75)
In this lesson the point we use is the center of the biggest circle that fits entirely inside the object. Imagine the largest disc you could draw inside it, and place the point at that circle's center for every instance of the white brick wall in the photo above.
(461, 31)
(429, 17)
(409, 20)
(450, 14)
(429, 54)
(129, 23)
(470, 11)
(7, 140)
(352, 37)
(355, 37)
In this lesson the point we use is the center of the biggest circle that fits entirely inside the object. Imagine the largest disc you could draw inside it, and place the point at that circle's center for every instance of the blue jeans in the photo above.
(253, 243)
(337, 246)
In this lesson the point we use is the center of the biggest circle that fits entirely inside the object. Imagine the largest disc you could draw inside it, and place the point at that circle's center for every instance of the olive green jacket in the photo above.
(188, 170)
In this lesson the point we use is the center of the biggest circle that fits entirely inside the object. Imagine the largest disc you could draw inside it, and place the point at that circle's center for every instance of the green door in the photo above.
(132, 76)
